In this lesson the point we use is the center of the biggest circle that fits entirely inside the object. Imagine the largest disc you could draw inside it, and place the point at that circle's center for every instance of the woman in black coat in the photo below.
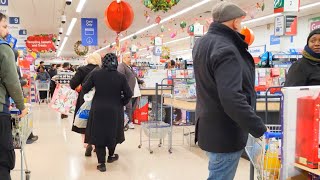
(106, 119)
(93, 61)
(306, 72)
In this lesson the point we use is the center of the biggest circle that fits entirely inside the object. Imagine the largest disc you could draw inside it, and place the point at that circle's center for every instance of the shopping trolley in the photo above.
(43, 86)
(265, 153)
(21, 130)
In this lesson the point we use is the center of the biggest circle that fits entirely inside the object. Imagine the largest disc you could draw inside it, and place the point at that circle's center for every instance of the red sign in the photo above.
(314, 25)
(41, 43)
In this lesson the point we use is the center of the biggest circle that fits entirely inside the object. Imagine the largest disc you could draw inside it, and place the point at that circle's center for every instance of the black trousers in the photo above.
(101, 153)
(130, 107)
(7, 154)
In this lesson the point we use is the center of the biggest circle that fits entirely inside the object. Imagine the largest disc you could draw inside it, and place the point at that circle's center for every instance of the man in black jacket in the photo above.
(225, 76)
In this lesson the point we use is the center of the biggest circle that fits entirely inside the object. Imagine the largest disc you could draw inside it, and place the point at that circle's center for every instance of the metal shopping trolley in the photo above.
(265, 153)
(43, 86)
(21, 130)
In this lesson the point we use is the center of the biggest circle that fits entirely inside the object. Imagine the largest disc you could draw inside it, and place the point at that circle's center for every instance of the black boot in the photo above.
(102, 167)
(113, 158)
(88, 151)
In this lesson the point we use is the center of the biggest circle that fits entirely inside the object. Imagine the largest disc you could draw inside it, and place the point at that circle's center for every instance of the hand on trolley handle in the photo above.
(24, 113)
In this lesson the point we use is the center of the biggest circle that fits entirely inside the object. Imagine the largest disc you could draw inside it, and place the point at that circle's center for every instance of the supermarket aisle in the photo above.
(58, 155)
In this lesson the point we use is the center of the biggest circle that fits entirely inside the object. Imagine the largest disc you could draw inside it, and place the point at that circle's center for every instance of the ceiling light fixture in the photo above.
(80, 6)
(62, 45)
(71, 26)
(309, 6)
(260, 19)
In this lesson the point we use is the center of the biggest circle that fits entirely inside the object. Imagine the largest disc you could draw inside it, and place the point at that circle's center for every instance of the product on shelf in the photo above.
(269, 77)
(307, 132)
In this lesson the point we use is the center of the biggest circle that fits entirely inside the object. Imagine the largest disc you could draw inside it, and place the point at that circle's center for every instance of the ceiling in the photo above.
(43, 16)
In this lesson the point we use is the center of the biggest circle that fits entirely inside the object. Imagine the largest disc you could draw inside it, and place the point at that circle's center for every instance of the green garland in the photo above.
(160, 5)
(80, 51)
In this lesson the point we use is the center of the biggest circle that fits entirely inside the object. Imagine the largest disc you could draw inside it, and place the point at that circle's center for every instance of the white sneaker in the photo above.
(131, 125)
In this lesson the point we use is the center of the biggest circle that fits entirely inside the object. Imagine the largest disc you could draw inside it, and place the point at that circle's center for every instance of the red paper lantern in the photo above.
(249, 36)
(118, 16)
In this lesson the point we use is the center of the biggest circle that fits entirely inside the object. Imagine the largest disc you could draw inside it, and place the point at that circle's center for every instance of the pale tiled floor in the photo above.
(59, 155)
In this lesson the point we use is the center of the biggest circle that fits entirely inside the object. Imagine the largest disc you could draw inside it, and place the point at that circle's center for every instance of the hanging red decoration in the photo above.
(118, 16)
(249, 36)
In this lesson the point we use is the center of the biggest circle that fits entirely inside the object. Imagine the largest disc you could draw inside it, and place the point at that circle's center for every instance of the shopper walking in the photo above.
(52, 72)
(306, 72)
(93, 61)
(126, 69)
(9, 87)
(41, 65)
(43, 76)
(224, 72)
(106, 120)
(63, 78)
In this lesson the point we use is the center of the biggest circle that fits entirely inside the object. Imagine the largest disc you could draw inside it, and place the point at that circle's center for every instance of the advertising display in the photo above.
(41, 43)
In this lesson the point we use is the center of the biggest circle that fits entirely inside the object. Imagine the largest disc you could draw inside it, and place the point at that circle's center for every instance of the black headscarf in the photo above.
(110, 62)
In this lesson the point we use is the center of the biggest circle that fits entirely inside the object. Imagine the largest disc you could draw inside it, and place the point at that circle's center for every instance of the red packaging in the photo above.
(140, 115)
(307, 137)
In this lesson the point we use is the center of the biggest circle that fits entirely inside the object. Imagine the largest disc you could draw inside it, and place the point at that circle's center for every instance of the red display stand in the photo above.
(307, 137)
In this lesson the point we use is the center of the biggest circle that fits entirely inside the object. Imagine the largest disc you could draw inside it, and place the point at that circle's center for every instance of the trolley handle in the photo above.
(269, 135)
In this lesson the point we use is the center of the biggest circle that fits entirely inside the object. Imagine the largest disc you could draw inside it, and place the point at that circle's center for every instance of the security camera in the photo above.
(59, 38)
(63, 19)
(60, 30)
(68, 2)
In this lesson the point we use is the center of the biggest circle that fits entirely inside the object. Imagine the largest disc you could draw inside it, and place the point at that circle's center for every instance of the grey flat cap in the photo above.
(226, 11)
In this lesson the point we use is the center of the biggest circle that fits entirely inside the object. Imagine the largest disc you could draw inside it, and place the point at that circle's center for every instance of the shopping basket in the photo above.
(156, 129)
(265, 153)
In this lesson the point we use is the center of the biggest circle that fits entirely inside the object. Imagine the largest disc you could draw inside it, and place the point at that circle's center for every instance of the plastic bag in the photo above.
(64, 99)
(82, 115)
(89, 96)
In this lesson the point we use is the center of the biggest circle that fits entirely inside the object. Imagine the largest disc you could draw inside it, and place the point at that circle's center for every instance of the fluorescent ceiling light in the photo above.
(62, 45)
(261, 18)
(177, 40)
(309, 6)
(80, 6)
(181, 52)
(71, 26)
(184, 11)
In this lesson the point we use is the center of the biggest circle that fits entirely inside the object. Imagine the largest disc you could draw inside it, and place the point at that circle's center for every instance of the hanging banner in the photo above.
(89, 31)
(279, 25)
(314, 23)
(157, 50)
(291, 25)
(41, 43)
(4, 7)
(22, 38)
(14, 26)
(281, 6)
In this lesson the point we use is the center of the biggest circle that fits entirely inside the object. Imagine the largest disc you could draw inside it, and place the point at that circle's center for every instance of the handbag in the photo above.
(64, 99)
(82, 115)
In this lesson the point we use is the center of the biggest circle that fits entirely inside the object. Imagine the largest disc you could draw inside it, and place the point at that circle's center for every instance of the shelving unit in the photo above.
(313, 171)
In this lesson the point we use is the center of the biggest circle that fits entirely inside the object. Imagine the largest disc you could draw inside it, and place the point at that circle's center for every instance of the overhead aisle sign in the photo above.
(4, 7)
(89, 31)
(281, 6)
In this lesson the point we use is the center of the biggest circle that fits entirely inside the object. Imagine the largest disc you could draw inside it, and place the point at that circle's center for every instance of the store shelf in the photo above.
(152, 92)
(180, 104)
(313, 171)
(191, 105)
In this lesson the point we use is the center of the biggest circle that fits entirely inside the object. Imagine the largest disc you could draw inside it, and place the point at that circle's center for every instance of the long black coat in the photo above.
(106, 120)
(304, 72)
(79, 79)
(225, 76)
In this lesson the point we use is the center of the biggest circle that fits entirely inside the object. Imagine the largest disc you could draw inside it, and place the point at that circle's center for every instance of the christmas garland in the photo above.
(79, 49)
(160, 5)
